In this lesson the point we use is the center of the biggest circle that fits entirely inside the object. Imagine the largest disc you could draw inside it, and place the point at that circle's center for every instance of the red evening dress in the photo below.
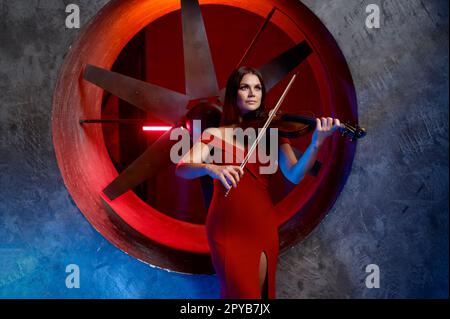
(239, 228)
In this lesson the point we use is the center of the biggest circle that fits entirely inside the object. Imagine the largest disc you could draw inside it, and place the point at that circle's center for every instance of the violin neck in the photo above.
(300, 118)
(353, 132)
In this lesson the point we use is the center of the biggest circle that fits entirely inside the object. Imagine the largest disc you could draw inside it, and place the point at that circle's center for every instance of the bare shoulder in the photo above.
(212, 132)
(219, 132)
(216, 131)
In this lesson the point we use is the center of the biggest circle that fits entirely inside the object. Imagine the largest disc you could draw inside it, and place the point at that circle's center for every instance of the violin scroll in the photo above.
(353, 132)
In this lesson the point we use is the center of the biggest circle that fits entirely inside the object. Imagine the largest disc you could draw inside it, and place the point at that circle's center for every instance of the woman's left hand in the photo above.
(324, 128)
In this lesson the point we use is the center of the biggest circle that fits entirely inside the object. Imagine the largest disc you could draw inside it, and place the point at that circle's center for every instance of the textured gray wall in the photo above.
(393, 212)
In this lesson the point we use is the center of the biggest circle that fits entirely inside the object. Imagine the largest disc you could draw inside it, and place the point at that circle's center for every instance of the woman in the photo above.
(242, 227)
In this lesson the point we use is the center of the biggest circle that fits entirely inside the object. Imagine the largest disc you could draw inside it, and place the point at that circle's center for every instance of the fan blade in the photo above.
(276, 69)
(165, 104)
(145, 166)
(258, 34)
(200, 75)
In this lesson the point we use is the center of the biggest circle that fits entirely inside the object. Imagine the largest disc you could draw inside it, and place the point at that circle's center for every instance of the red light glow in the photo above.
(156, 128)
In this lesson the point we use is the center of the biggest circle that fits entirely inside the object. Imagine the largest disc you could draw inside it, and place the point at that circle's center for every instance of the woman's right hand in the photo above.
(226, 174)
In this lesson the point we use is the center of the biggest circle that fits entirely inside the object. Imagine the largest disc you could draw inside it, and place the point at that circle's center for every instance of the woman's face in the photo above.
(249, 93)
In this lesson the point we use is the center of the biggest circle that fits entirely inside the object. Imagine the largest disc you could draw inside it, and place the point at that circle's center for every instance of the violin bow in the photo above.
(272, 114)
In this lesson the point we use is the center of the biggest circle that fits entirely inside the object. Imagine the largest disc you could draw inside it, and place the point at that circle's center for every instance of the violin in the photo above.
(294, 125)
(288, 124)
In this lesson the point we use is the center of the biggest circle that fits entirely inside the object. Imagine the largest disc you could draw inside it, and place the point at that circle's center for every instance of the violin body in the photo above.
(293, 125)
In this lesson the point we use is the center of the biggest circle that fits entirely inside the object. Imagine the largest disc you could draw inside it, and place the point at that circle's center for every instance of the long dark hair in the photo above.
(230, 112)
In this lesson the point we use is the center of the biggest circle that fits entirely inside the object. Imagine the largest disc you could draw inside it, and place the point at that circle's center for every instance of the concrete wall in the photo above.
(393, 211)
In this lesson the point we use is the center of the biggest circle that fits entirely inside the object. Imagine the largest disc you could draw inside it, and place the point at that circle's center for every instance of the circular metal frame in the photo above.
(128, 222)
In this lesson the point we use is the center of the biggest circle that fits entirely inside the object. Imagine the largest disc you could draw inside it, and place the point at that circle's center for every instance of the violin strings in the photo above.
(264, 128)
